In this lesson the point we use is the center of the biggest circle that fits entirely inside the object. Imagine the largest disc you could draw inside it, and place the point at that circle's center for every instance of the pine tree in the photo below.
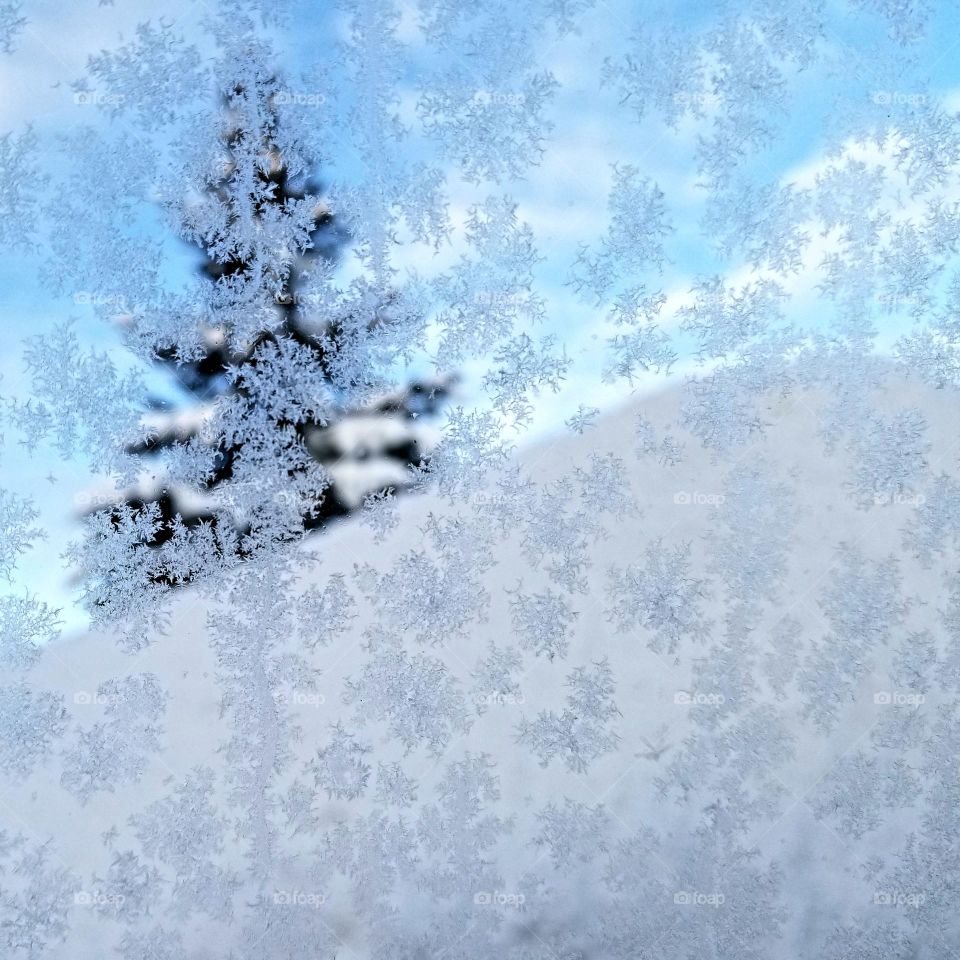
(269, 243)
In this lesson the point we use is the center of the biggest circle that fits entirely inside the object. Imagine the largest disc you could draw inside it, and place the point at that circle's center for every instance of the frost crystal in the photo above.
(515, 449)
(661, 597)
(339, 768)
(579, 734)
(542, 621)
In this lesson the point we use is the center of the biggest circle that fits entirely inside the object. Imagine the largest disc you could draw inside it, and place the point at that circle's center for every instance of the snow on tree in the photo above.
(261, 354)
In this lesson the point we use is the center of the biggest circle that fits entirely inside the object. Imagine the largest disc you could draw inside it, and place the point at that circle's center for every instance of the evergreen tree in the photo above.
(270, 242)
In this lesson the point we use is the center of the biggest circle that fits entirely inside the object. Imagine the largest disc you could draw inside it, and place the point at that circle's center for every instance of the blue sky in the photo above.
(564, 199)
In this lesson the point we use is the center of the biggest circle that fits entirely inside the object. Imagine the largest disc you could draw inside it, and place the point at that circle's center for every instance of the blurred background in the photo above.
(867, 71)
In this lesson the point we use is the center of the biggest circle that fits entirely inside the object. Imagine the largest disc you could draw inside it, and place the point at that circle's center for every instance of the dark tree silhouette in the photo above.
(362, 446)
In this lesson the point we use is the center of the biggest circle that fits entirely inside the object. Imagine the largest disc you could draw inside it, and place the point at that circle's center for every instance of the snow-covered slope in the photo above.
(762, 615)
